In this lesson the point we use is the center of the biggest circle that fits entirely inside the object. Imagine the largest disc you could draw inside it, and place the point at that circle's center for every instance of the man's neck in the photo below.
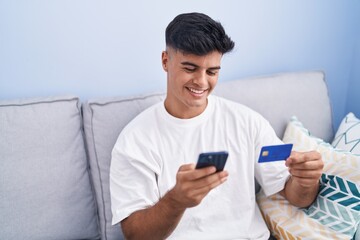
(184, 112)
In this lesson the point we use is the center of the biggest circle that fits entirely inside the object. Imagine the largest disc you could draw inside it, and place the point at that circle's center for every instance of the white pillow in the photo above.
(348, 134)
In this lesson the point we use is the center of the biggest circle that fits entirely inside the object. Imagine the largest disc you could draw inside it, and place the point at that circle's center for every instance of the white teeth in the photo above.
(196, 91)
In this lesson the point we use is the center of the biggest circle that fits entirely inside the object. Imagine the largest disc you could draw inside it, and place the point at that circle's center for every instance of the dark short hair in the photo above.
(197, 33)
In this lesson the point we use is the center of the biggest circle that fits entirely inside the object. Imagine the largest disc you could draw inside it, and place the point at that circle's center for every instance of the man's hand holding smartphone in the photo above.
(193, 183)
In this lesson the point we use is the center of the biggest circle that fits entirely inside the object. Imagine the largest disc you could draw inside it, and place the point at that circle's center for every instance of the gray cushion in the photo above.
(280, 96)
(45, 190)
(103, 121)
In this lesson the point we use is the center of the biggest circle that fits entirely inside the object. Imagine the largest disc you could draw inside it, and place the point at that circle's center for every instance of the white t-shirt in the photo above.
(151, 148)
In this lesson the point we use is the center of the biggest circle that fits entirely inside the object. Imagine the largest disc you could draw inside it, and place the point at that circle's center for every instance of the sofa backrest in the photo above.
(276, 97)
(103, 121)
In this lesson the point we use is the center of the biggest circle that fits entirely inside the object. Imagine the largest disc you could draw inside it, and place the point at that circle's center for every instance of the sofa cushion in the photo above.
(335, 214)
(45, 190)
(103, 121)
(347, 136)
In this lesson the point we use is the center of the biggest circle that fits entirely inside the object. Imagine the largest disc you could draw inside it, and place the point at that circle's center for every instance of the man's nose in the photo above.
(200, 78)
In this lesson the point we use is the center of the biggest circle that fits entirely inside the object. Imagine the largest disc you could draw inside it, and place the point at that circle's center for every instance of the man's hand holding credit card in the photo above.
(275, 153)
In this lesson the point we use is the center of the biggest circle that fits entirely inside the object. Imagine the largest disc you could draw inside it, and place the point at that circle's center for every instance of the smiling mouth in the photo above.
(196, 91)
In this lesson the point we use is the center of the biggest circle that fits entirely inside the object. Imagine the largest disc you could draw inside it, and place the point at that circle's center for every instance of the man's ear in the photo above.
(164, 60)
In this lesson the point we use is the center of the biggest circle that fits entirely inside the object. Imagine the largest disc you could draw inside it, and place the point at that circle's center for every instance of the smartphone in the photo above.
(217, 159)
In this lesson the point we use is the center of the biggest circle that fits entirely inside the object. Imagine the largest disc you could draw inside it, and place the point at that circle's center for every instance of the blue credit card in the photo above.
(275, 153)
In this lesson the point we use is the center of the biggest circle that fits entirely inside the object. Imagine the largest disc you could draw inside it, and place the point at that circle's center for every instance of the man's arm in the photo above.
(302, 187)
(160, 220)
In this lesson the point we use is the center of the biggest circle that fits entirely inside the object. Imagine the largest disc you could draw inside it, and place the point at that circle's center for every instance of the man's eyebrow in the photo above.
(215, 68)
(196, 66)
(190, 64)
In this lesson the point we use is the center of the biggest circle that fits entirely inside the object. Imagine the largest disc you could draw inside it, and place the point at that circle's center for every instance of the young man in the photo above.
(156, 191)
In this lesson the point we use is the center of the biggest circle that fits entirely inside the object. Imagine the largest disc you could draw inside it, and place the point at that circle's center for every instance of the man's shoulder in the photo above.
(238, 112)
(232, 106)
(144, 119)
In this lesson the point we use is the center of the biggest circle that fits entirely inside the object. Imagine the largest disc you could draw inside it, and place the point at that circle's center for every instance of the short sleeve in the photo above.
(271, 176)
(133, 184)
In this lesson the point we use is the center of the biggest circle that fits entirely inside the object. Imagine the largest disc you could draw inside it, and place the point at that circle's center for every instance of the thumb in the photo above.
(186, 167)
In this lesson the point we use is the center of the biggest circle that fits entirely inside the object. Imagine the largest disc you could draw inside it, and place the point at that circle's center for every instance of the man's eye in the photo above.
(190, 69)
(211, 73)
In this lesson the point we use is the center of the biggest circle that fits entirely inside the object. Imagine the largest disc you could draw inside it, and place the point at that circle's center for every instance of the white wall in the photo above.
(107, 48)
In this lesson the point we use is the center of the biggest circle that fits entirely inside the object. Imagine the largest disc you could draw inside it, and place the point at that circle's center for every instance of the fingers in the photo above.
(192, 185)
(305, 173)
(306, 168)
(306, 182)
(197, 174)
(211, 181)
(199, 178)
(201, 187)
(299, 158)
(187, 167)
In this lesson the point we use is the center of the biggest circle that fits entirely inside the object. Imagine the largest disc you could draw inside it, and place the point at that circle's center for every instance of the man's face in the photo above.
(190, 80)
